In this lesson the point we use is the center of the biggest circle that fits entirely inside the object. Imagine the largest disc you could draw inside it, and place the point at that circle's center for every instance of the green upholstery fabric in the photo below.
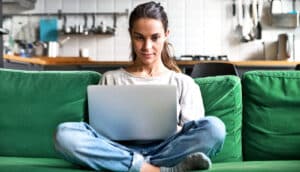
(256, 166)
(19, 164)
(222, 98)
(271, 129)
(33, 103)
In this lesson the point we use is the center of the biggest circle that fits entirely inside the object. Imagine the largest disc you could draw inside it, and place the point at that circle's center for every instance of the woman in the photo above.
(198, 137)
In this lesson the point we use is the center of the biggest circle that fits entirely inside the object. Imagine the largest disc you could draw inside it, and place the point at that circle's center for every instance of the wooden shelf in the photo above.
(47, 60)
(88, 61)
(244, 63)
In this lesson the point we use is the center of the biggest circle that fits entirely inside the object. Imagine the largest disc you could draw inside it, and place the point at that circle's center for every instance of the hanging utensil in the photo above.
(239, 17)
(234, 19)
(254, 12)
(66, 29)
(240, 13)
(247, 23)
(85, 27)
(93, 27)
(259, 15)
(253, 15)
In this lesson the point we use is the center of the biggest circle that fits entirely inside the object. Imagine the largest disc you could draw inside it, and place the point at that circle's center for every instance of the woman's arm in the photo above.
(191, 103)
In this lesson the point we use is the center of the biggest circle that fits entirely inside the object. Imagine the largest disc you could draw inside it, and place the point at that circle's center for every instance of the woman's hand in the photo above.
(179, 128)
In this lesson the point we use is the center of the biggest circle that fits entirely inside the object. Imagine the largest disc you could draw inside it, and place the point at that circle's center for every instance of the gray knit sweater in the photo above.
(189, 100)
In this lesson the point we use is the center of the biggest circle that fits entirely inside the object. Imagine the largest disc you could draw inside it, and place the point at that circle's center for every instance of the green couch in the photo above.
(261, 112)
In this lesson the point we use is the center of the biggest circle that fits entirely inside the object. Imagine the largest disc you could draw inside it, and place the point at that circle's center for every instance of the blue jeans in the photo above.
(82, 145)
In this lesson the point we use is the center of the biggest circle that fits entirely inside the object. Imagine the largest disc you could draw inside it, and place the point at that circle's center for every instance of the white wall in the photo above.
(198, 27)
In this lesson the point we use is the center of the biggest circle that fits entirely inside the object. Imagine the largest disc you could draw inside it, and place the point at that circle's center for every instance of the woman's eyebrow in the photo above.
(139, 34)
(156, 34)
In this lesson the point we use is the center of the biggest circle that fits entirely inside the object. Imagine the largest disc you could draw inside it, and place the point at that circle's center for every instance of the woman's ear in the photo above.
(167, 33)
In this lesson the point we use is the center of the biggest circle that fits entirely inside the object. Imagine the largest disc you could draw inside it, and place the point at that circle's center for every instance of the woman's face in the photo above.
(148, 37)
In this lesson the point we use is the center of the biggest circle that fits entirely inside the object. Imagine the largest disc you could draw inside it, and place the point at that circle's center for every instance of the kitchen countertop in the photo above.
(87, 61)
(62, 60)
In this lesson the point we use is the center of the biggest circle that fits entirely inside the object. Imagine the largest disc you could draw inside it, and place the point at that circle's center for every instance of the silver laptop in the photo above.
(135, 112)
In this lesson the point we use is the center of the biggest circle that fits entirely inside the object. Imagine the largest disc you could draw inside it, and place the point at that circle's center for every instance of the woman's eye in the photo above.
(155, 38)
(139, 38)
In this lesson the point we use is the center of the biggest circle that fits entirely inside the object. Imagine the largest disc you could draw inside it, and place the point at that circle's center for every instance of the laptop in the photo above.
(133, 112)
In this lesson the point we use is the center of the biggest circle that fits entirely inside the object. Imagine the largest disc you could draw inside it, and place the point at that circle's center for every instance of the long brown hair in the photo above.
(154, 10)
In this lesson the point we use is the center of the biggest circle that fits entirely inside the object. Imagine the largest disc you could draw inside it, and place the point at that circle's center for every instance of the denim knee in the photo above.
(216, 130)
(211, 134)
(65, 137)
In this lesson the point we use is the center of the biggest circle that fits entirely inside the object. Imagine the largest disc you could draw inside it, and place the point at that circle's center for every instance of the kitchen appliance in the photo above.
(54, 47)
(285, 50)
(40, 48)
(83, 52)
(204, 57)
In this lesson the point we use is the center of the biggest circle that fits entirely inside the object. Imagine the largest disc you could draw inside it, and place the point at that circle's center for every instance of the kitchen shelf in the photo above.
(60, 14)
(89, 34)
(286, 20)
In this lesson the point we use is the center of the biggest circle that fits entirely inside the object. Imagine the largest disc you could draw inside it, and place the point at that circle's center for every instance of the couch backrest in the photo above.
(222, 97)
(33, 103)
(271, 115)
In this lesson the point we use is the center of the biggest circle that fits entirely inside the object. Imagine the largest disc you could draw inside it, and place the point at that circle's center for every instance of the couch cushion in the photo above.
(256, 166)
(222, 97)
(21, 164)
(271, 129)
(33, 103)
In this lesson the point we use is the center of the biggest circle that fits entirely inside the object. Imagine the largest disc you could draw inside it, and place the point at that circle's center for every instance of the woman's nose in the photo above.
(147, 44)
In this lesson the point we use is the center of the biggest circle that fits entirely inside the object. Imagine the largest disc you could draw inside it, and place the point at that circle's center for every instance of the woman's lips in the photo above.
(147, 55)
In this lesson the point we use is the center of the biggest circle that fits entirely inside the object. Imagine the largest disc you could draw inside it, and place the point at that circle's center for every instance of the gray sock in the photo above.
(196, 161)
